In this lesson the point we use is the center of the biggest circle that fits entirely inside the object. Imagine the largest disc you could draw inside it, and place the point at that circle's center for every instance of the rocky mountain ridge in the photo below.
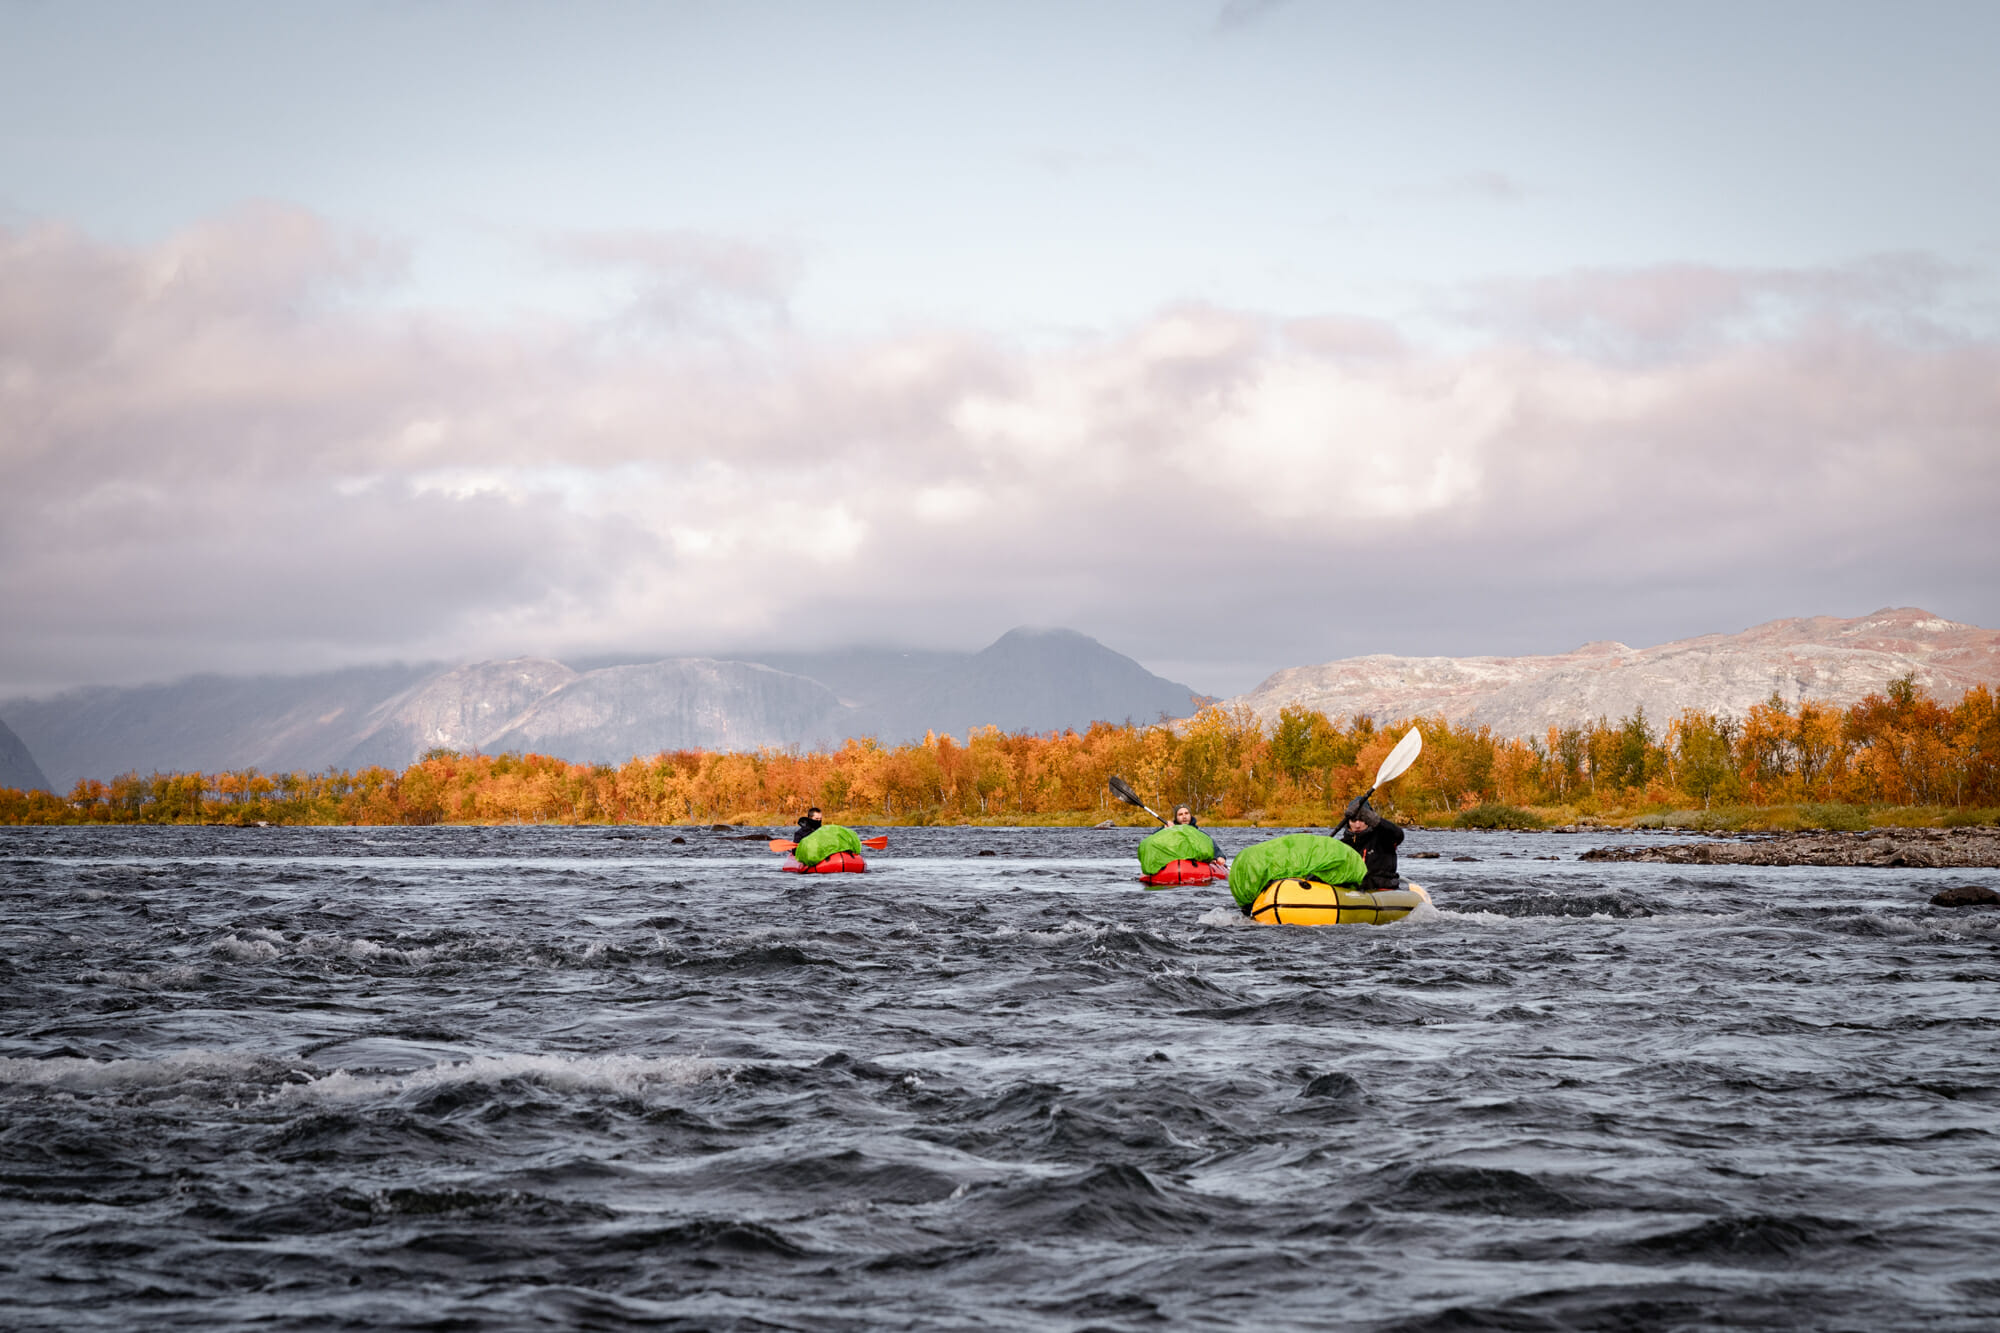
(1818, 657)
(1027, 679)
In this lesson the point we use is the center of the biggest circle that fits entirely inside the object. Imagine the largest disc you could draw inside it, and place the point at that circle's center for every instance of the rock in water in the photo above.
(1966, 895)
(1339, 1087)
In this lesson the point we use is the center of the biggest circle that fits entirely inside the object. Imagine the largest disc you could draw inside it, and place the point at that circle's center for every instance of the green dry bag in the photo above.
(823, 842)
(1175, 842)
(1294, 856)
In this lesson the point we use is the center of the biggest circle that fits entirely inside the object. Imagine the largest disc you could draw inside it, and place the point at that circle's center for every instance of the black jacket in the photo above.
(1377, 846)
(807, 824)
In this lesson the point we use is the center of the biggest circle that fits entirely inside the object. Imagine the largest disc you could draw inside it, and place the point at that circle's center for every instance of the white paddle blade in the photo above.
(1400, 758)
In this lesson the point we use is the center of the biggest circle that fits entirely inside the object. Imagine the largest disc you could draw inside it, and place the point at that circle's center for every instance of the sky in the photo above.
(1238, 334)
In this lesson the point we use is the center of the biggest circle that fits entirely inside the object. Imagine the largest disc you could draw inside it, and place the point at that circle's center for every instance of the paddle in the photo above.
(878, 843)
(1123, 792)
(1394, 764)
(1130, 797)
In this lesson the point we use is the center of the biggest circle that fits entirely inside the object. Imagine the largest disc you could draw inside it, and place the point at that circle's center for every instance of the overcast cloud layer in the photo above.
(1239, 334)
(218, 457)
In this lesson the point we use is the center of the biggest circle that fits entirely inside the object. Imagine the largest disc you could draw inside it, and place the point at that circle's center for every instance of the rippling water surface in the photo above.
(518, 1078)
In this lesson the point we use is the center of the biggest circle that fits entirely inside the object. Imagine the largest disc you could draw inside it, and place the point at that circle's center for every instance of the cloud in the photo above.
(1692, 310)
(687, 279)
(217, 460)
(1236, 15)
(1076, 161)
(1497, 187)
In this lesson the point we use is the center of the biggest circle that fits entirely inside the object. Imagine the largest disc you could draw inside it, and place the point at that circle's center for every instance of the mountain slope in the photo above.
(459, 709)
(1026, 680)
(608, 716)
(1029, 679)
(1036, 680)
(1819, 657)
(18, 768)
(275, 723)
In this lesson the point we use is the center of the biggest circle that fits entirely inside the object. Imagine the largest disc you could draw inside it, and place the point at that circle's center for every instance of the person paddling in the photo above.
(1180, 852)
(821, 841)
(1184, 818)
(1363, 856)
(826, 846)
(1376, 839)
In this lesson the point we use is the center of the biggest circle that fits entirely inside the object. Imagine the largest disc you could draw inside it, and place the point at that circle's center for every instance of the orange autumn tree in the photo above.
(1899, 746)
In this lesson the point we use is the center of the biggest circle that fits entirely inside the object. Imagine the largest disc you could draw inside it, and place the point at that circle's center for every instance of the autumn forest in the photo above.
(1896, 756)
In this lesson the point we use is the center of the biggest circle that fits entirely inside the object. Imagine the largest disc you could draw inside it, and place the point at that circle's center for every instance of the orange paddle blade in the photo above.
(781, 845)
(878, 842)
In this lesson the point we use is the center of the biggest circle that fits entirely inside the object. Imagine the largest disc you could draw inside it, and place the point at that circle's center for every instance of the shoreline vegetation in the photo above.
(1897, 758)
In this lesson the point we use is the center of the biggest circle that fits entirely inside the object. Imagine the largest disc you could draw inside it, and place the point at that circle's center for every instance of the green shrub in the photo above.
(1841, 818)
(1723, 819)
(1970, 818)
(1491, 816)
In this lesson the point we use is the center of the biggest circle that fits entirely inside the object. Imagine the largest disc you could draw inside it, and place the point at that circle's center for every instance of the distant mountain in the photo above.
(1029, 679)
(1817, 657)
(607, 716)
(275, 723)
(1026, 680)
(17, 767)
(865, 678)
(459, 709)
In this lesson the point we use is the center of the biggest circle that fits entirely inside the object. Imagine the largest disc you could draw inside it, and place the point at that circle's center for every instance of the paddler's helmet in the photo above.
(1358, 808)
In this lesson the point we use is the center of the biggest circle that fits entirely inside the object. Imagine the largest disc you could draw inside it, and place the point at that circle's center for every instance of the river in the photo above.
(597, 1078)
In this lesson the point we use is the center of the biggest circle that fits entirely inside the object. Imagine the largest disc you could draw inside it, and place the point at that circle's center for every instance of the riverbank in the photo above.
(1913, 848)
(573, 795)
(46, 811)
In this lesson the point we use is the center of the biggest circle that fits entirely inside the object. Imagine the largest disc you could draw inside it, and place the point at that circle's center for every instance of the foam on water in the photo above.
(172, 1070)
(162, 978)
(244, 951)
(625, 1075)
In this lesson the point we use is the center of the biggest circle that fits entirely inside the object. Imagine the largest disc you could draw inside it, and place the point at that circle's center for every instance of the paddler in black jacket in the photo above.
(1376, 839)
(809, 822)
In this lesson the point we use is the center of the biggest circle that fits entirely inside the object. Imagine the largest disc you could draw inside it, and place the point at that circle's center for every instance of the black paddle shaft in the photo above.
(1125, 793)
